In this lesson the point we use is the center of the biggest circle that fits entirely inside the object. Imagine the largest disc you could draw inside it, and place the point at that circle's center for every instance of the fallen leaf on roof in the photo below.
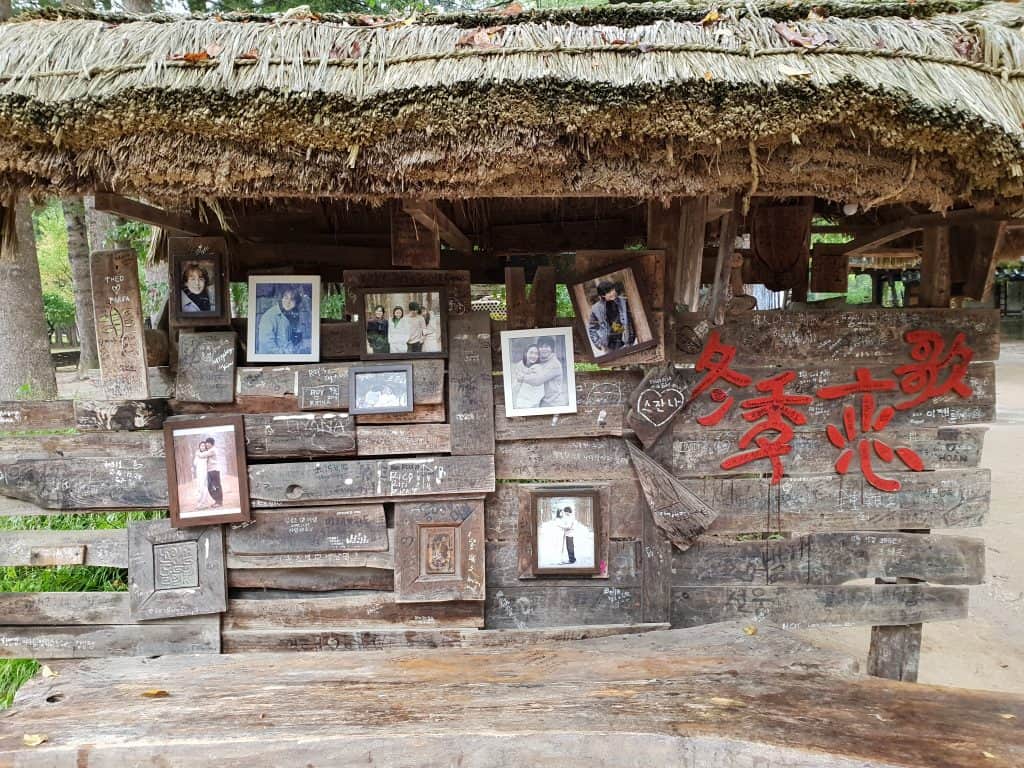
(34, 739)
(711, 17)
(155, 693)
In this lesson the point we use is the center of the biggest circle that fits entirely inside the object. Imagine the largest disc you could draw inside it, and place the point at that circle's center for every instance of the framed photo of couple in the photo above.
(611, 315)
(207, 475)
(402, 323)
(567, 532)
(198, 269)
(538, 372)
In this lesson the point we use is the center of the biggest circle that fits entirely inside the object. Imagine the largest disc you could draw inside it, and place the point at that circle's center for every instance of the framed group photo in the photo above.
(198, 271)
(538, 371)
(610, 314)
(380, 389)
(283, 319)
(207, 474)
(403, 322)
(567, 532)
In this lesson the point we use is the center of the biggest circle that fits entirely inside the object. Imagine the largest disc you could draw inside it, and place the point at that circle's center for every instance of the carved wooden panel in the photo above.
(120, 335)
(206, 367)
(175, 571)
(439, 551)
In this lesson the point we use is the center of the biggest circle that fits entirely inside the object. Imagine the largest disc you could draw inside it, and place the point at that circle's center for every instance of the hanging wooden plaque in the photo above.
(120, 335)
(656, 403)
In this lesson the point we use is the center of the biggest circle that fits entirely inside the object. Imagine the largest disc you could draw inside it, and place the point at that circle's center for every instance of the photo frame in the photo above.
(402, 322)
(199, 281)
(207, 473)
(538, 371)
(380, 389)
(611, 316)
(567, 532)
(283, 319)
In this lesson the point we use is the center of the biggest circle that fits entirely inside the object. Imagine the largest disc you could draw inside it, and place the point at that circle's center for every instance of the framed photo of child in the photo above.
(207, 474)
(198, 270)
(538, 372)
(567, 532)
(283, 319)
(403, 322)
(610, 314)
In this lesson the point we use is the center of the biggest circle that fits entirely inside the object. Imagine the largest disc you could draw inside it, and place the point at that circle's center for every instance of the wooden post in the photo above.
(895, 651)
(412, 244)
(679, 230)
(989, 237)
(935, 267)
(537, 311)
(723, 267)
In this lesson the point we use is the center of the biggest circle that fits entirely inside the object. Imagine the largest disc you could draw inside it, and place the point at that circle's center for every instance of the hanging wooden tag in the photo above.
(655, 404)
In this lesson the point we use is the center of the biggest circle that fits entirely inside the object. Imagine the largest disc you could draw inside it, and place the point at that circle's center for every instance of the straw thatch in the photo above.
(876, 109)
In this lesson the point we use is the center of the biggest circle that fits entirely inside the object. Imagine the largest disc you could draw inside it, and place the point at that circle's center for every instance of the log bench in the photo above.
(710, 696)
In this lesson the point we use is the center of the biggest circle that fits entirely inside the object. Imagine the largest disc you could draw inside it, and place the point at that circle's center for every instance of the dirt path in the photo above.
(985, 651)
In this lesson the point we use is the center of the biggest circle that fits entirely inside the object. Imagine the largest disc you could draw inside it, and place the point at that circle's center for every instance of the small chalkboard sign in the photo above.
(655, 404)
(206, 367)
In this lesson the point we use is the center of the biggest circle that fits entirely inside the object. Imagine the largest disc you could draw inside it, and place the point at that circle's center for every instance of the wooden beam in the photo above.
(935, 268)
(723, 268)
(413, 244)
(989, 238)
(430, 216)
(173, 222)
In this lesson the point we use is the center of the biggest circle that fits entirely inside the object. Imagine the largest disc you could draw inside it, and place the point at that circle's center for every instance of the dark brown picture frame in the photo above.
(595, 505)
(358, 370)
(637, 307)
(173, 503)
(361, 309)
(181, 251)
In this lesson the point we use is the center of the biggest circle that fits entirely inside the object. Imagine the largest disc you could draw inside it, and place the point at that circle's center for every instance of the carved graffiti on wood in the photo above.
(660, 397)
(120, 338)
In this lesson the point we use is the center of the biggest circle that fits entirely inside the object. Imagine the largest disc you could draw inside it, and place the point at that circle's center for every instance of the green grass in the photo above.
(75, 578)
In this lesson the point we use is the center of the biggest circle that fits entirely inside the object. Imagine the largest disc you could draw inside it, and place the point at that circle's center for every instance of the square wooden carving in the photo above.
(175, 571)
(439, 551)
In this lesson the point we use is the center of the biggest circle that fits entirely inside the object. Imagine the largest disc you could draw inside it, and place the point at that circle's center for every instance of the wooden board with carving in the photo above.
(312, 579)
(818, 606)
(470, 387)
(588, 421)
(826, 559)
(293, 435)
(439, 551)
(82, 445)
(45, 548)
(22, 415)
(359, 528)
(123, 483)
(402, 439)
(565, 459)
(796, 338)
(123, 415)
(120, 334)
(540, 605)
(275, 485)
(206, 367)
(420, 414)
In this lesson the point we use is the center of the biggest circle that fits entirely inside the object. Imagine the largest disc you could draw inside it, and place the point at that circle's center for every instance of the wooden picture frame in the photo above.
(434, 298)
(273, 333)
(528, 398)
(204, 258)
(400, 401)
(582, 522)
(439, 551)
(587, 302)
(195, 446)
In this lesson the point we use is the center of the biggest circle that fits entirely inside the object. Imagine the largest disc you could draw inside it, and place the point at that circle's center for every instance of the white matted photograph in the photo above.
(537, 367)
(283, 319)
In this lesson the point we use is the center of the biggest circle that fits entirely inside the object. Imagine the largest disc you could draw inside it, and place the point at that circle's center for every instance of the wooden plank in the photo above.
(349, 611)
(301, 483)
(989, 242)
(456, 282)
(325, 386)
(198, 634)
(595, 388)
(420, 414)
(312, 579)
(439, 551)
(339, 340)
(206, 367)
(308, 530)
(136, 483)
(947, 410)
(700, 451)
(588, 421)
(175, 222)
(517, 307)
(120, 334)
(827, 559)
(301, 560)
(796, 338)
(412, 243)
(268, 381)
(86, 444)
(470, 386)
(504, 567)
(89, 547)
(656, 403)
(538, 605)
(689, 249)
(895, 652)
(293, 435)
(429, 215)
(791, 607)
(404, 439)
(945, 499)
(935, 290)
(625, 509)
(122, 415)
(604, 458)
(18, 415)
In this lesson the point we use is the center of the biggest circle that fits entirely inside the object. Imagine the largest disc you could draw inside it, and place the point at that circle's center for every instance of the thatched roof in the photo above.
(922, 104)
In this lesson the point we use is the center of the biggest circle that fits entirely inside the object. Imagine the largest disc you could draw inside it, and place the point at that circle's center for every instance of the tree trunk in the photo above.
(138, 6)
(78, 257)
(26, 369)
(5, 9)
(101, 227)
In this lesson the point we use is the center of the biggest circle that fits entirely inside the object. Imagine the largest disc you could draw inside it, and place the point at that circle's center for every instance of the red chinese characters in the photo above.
(714, 362)
(935, 370)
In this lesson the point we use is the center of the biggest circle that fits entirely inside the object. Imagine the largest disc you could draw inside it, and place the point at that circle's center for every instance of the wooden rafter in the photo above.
(430, 216)
(172, 222)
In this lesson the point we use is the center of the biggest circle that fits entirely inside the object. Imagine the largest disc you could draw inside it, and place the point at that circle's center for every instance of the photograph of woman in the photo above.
(377, 331)
(198, 281)
(407, 323)
(537, 367)
(197, 292)
(525, 394)
(284, 319)
(398, 332)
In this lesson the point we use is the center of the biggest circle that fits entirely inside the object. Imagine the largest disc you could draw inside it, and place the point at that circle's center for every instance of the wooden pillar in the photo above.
(895, 651)
(678, 229)
(989, 237)
(537, 311)
(935, 268)
(412, 244)
(719, 298)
